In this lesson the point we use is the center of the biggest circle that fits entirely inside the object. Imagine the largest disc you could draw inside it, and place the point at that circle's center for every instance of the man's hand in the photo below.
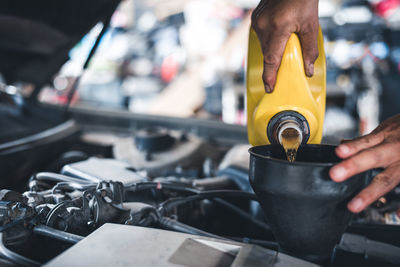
(274, 21)
(379, 149)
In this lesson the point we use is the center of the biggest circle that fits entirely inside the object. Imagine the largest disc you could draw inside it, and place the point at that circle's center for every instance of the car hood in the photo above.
(36, 36)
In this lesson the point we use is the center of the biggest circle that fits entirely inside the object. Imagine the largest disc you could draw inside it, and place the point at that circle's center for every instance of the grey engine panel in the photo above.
(122, 245)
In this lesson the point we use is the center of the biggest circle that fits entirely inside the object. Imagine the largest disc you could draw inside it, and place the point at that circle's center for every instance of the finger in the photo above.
(378, 156)
(257, 11)
(379, 186)
(273, 48)
(309, 47)
(350, 148)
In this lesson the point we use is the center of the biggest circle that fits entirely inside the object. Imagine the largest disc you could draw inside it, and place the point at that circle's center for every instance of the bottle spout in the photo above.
(290, 131)
(288, 124)
(290, 137)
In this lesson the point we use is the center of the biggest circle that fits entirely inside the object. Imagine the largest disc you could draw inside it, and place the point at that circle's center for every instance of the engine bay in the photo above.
(82, 177)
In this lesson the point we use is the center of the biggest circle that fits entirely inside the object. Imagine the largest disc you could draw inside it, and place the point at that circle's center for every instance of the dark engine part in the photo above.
(20, 158)
(370, 249)
(13, 210)
(152, 140)
(98, 204)
(235, 165)
(158, 151)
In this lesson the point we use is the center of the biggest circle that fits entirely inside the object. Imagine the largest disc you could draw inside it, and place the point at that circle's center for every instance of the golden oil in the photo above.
(290, 139)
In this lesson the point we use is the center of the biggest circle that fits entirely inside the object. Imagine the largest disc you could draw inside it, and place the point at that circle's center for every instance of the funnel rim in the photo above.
(295, 163)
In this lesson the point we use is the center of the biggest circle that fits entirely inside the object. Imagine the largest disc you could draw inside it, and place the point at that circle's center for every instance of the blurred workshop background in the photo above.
(187, 58)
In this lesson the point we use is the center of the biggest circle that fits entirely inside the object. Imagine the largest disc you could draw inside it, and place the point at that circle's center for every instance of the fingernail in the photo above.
(344, 149)
(267, 88)
(338, 172)
(356, 204)
(310, 70)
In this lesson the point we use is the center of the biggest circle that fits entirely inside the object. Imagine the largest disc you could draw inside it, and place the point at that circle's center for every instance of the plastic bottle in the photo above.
(297, 101)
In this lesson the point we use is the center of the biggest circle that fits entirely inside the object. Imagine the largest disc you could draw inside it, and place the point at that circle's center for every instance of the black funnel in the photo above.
(305, 209)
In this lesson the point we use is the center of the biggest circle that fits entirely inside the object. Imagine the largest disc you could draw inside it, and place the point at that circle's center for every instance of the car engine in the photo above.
(157, 178)
(154, 177)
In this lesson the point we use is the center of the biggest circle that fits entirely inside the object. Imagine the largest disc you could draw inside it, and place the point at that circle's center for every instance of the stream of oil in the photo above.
(290, 140)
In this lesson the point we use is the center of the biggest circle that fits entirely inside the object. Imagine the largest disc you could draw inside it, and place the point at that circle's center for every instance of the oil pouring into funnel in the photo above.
(289, 168)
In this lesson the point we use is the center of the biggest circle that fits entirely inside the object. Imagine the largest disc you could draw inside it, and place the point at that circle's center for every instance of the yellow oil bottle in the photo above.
(297, 102)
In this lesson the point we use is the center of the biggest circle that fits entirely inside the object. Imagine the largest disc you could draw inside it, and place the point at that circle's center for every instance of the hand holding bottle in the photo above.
(274, 21)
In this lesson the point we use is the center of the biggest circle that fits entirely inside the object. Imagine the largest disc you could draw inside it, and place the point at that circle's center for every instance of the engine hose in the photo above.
(159, 186)
(72, 186)
(242, 214)
(169, 204)
(173, 225)
(14, 257)
(370, 249)
(57, 234)
(152, 185)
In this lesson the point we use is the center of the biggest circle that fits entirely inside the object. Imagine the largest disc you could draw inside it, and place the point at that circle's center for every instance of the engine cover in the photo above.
(122, 245)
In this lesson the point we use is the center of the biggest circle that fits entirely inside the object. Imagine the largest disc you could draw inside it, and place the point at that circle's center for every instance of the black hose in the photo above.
(169, 204)
(14, 257)
(156, 185)
(135, 187)
(72, 186)
(57, 234)
(173, 225)
(370, 249)
(242, 214)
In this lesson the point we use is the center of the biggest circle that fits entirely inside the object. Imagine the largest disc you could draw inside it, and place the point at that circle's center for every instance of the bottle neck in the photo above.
(289, 130)
(288, 121)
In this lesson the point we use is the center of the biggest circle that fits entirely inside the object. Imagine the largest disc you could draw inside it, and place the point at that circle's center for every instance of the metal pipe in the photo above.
(57, 234)
(55, 177)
